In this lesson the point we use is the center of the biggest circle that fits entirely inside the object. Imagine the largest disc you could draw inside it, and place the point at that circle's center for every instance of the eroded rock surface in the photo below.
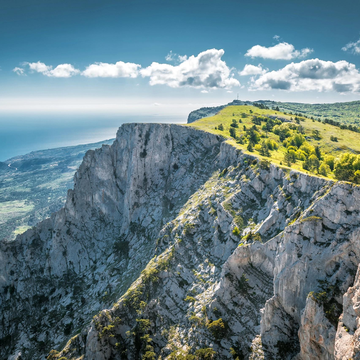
(180, 244)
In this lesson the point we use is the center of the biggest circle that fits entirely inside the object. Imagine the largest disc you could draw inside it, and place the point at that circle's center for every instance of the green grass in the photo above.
(348, 141)
(344, 112)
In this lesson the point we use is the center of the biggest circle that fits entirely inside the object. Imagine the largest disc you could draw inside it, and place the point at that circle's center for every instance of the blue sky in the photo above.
(170, 54)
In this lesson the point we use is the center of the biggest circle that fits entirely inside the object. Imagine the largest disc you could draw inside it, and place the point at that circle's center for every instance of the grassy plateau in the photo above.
(288, 140)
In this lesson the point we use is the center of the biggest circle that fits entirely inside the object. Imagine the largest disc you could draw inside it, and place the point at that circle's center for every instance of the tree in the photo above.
(312, 163)
(221, 127)
(264, 150)
(324, 169)
(316, 134)
(250, 147)
(330, 161)
(289, 159)
(233, 132)
(234, 124)
(318, 152)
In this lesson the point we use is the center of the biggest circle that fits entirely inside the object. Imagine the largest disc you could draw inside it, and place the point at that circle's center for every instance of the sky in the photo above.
(172, 56)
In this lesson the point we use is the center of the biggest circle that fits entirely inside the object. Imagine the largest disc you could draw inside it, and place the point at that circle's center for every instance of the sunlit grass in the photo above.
(348, 141)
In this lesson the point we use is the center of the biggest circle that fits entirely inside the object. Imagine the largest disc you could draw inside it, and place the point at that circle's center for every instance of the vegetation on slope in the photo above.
(293, 141)
(344, 112)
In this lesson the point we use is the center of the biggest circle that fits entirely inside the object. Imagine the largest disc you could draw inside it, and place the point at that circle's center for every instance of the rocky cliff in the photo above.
(174, 244)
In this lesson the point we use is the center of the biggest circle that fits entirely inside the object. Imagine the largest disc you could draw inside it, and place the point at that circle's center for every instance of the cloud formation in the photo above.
(61, 71)
(353, 47)
(205, 70)
(311, 75)
(281, 51)
(252, 70)
(19, 71)
(117, 70)
(175, 57)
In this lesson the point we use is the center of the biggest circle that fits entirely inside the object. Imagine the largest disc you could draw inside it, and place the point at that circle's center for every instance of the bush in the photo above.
(234, 124)
(221, 127)
(324, 169)
(217, 328)
(205, 354)
(236, 231)
(232, 132)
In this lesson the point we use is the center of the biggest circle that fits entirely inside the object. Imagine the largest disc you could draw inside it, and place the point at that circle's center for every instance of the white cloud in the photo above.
(19, 71)
(119, 69)
(205, 70)
(204, 91)
(175, 57)
(182, 58)
(252, 70)
(354, 47)
(311, 75)
(62, 70)
(281, 51)
(170, 56)
(276, 37)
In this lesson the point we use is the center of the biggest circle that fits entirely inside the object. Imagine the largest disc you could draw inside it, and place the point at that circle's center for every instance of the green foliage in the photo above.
(234, 124)
(311, 218)
(348, 168)
(236, 231)
(294, 139)
(217, 328)
(265, 164)
(223, 173)
(232, 132)
(205, 354)
(250, 147)
(190, 299)
(221, 127)
(324, 169)
(252, 236)
(149, 355)
(327, 298)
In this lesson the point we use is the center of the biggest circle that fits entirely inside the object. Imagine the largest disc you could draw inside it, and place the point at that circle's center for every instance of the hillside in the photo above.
(296, 142)
(33, 186)
(345, 112)
(174, 244)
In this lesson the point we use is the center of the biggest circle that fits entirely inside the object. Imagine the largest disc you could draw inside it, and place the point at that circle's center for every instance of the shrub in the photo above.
(236, 231)
(234, 124)
(232, 132)
(217, 328)
(324, 169)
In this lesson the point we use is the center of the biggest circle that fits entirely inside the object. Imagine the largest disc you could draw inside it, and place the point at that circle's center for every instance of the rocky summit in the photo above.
(173, 244)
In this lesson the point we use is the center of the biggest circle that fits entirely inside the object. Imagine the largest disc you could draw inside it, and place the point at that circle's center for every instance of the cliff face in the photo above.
(190, 246)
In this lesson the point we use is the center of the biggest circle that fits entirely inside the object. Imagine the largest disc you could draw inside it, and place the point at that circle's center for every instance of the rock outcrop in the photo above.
(173, 243)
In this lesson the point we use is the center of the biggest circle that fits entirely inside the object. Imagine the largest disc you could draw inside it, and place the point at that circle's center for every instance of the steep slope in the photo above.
(57, 275)
(180, 244)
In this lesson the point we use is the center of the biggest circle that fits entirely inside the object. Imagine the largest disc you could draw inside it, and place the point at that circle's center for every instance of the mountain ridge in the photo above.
(181, 245)
(346, 112)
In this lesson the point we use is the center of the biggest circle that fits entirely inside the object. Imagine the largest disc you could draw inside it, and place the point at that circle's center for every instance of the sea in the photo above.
(23, 133)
